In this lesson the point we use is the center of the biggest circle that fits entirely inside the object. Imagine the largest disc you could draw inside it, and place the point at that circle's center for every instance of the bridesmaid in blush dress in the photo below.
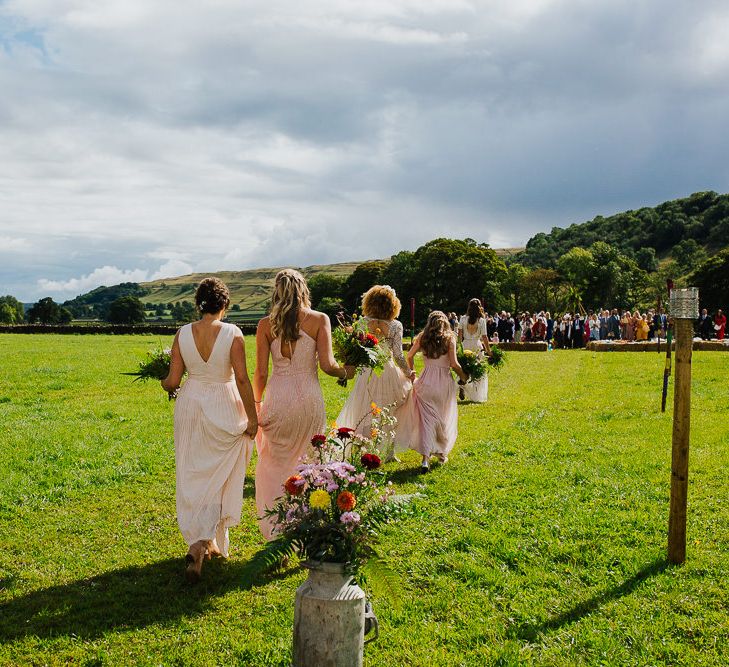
(297, 339)
(435, 390)
(215, 423)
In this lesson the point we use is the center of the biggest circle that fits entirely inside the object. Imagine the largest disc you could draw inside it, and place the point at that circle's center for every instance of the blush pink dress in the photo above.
(435, 398)
(292, 412)
(211, 449)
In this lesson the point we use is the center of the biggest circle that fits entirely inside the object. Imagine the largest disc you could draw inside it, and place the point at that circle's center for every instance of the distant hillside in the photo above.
(249, 289)
(702, 218)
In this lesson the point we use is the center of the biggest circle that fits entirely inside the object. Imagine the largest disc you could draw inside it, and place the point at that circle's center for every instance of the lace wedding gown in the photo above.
(211, 449)
(391, 389)
(478, 392)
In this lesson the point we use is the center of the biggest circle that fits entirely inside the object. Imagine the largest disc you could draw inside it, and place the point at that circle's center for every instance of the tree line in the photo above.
(620, 261)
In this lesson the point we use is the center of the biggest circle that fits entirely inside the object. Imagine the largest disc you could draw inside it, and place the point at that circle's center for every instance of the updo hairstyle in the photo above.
(212, 296)
(381, 303)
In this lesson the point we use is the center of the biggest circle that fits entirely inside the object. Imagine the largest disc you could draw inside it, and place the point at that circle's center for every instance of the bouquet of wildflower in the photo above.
(497, 358)
(473, 365)
(332, 509)
(354, 345)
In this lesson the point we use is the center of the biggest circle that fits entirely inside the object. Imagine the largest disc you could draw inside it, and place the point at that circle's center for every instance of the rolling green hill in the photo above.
(249, 289)
(698, 221)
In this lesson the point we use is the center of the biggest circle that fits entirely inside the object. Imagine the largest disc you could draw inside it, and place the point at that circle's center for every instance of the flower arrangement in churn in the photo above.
(333, 508)
(354, 345)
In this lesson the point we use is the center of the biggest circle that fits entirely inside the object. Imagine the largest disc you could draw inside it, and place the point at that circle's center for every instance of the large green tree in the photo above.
(451, 271)
(47, 311)
(126, 310)
(325, 286)
(360, 280)
(712, 279)
(11, 310)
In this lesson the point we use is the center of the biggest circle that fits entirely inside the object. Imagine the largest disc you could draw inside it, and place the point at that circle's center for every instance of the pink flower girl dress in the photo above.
(435, 398)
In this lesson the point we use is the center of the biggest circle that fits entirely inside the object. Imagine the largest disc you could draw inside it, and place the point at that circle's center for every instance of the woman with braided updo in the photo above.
(215, 422)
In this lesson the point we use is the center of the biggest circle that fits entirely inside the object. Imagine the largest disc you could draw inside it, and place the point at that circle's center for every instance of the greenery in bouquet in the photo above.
(155, 366)
(335, 505)
(354, 345)
(497, 359)
(473, 365)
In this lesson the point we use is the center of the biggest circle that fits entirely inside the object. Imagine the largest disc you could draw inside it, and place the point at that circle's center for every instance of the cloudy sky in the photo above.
(149, 138)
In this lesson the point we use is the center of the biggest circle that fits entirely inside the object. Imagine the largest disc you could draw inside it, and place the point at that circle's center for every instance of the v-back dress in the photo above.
(391, 389)
(478, 391)
(292, 412)
(211, 448)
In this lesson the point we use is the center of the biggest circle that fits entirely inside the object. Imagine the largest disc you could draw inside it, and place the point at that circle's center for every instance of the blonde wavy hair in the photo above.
(437, 335)
(381, 303)
(290, 295)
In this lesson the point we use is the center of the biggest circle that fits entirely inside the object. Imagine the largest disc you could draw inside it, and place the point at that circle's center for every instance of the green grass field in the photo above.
(542, 541)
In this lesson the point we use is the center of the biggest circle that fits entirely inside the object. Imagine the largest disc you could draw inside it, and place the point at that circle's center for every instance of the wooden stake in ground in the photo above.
(684, 308)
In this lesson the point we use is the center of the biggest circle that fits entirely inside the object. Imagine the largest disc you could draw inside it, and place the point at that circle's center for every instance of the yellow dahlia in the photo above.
(320, 499)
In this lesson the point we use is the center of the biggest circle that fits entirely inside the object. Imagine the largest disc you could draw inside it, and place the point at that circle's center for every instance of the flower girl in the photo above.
(435, 390)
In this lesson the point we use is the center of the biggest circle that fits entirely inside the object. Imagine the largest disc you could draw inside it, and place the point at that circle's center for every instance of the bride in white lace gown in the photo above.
(393, 387)
(473, 334)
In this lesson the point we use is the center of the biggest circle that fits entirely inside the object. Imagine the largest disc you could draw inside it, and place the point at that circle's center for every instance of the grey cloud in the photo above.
(232, 136)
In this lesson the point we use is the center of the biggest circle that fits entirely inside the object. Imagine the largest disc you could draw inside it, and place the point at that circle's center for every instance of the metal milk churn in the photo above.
(329, 618)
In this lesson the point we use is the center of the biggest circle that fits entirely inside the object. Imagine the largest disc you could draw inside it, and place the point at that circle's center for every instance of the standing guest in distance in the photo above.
(705, 325)
(614, 325)
(517, 328)
(578, 331)
(651, 325)
(392, 388)
(453, 320)
(550, 327)
(539, 328)
(641, 328)
(594, 325)
(295, 338)
(604, 324)
(215, 423)
(719, 324)
(661, 323)
(435, 391)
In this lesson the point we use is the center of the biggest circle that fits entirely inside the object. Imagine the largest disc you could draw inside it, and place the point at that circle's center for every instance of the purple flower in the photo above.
(350, 520)
(350, 517)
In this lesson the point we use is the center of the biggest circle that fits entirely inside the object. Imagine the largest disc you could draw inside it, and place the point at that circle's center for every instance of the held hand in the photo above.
(251, 429)
(412, 376)
(350, 372)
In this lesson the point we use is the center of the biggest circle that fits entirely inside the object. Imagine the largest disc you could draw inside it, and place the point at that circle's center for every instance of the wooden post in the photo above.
(680, 449)
(412, 319)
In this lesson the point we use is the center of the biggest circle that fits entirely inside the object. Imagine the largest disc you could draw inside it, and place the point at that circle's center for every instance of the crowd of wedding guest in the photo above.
(577, 329)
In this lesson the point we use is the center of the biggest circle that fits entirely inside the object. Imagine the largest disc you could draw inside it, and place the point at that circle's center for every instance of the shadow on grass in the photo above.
(119, 600)
(405, 475)
(531, 632)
